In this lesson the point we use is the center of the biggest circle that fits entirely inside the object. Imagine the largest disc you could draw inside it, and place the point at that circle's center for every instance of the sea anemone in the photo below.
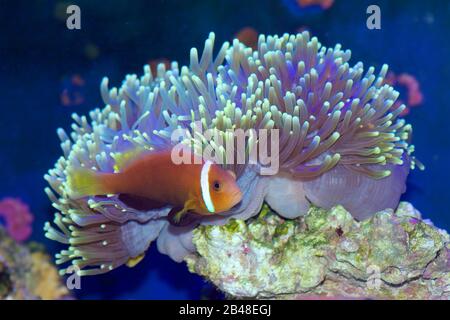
(340, 142)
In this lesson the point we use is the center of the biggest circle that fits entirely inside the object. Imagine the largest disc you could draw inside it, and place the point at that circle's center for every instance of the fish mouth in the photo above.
(236, 198)
(234, 207)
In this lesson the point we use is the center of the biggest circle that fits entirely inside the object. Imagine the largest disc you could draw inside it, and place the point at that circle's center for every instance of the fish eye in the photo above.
(217, 185)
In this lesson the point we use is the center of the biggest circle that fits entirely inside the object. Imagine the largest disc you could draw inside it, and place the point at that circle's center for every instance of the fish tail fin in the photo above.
(85, 182)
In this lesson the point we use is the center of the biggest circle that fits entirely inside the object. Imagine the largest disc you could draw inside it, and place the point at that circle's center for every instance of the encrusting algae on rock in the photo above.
(26, 272)
(392, 255)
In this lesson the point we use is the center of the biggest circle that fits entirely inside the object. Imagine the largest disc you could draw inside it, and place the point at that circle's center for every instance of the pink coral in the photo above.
(412, 87)
(18, 218)
(414, 95)
(325, 4)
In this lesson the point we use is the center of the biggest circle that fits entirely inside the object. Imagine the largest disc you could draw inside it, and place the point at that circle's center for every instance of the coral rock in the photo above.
(326, 254)
(27, 272)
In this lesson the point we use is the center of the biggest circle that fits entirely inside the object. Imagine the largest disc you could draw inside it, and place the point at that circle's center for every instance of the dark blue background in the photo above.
(38, 55)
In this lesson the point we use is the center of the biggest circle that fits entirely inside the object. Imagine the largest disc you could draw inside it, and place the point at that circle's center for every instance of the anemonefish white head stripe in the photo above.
(204, 184)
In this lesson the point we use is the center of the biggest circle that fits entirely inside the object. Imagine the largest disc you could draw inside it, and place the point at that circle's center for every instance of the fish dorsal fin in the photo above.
(122, 159)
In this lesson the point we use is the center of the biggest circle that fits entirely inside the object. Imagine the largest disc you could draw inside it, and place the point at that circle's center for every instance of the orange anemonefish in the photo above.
(204, 188)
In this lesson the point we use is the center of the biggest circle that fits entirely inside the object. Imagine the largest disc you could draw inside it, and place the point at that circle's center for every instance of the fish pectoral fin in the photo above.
(187, 218)
(176, 215)
(188, 206)
(132, 262)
